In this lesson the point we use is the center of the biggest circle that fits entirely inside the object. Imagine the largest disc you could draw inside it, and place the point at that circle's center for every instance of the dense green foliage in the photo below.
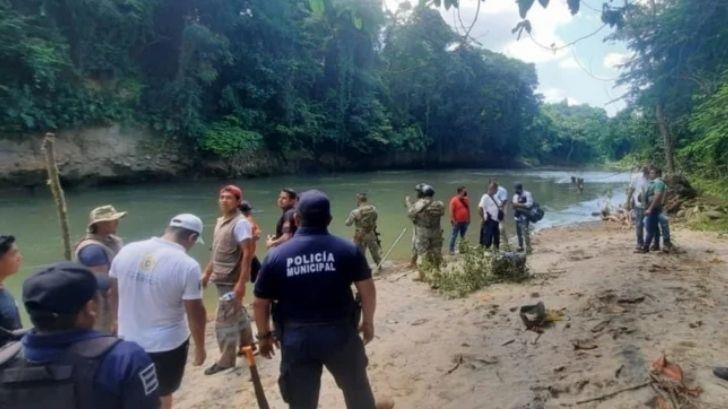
(678, 82)
(344, 78)
(313, 77)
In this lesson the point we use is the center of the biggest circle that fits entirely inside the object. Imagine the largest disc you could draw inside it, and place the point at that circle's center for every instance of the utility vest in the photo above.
(66, 383)
(226, 253)
(110, 244)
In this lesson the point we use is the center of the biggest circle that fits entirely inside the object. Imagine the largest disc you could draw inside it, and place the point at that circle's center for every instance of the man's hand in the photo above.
(367, 331)
(200, 356)
(239, 291)
(205, 280)
(266, 347)
(648, 211)
(270, 241)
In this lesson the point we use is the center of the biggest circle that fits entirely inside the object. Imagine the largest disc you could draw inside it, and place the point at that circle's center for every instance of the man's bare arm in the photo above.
(246, 249)
(368, 293)
(197, 319)
(262, 314)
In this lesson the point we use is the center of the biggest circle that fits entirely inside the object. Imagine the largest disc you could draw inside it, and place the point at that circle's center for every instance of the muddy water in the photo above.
(31, 217)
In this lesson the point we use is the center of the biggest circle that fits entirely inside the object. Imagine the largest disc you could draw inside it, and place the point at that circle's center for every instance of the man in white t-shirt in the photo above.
(522, 204)
(502, 196)
(229, 270)
(489, 209)
(160, 300)
(635, 202)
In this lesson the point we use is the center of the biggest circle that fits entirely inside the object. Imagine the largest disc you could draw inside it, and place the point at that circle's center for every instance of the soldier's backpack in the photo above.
(63, 384)
(535, 213)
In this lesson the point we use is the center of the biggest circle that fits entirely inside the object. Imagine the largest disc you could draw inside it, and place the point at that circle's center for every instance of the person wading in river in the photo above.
(96, 251)
(229, 269)
(286, 226)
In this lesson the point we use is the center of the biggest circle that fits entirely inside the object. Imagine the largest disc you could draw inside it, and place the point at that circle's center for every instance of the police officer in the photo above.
(103, 371)
(309, 277)
(364, 219)
(426, 213)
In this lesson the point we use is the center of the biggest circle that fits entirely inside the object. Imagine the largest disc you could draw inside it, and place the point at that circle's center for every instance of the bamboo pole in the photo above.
(54, 183)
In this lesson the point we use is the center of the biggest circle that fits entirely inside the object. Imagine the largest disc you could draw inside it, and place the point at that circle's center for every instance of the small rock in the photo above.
(713, 214)
(535, 295)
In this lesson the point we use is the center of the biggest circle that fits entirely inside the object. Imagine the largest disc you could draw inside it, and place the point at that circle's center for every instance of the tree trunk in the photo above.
(54, 182)
(667, 139)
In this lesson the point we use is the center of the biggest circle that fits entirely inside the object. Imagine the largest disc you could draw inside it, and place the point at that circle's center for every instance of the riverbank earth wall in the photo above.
(118, 154)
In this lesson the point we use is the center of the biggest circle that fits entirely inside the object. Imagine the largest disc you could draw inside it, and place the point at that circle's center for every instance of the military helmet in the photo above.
(425, 190)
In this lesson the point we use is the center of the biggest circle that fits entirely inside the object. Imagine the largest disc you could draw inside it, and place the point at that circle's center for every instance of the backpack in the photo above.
(535, 213)
(66, 383)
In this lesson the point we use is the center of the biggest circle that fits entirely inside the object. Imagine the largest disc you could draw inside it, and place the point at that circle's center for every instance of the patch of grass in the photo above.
(477, 268)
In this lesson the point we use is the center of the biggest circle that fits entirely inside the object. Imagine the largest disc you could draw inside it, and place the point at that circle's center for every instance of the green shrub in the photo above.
(226, 138)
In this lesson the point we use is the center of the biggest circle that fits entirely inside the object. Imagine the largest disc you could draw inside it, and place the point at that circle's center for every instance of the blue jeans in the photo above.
(490, 234)
(306, 349)
(664, 229)
(652, 222)
(457, 229)
(522, 232)
(639, 225)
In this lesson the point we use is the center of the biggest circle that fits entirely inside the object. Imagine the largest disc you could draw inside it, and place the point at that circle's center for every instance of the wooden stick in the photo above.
(54, 183)
(257, 385)
(615, 393)
(390, 249)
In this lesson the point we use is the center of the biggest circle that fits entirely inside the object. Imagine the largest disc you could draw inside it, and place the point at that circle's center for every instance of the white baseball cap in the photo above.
(189, 222)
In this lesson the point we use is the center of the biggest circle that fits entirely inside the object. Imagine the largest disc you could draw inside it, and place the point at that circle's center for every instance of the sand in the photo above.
(433, 352)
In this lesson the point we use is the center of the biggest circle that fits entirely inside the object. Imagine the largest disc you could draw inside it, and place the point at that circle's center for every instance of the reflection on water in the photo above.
(32, 217)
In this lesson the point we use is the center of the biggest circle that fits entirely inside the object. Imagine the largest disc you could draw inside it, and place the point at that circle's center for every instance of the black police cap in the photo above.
(61, 288)
(314, 205)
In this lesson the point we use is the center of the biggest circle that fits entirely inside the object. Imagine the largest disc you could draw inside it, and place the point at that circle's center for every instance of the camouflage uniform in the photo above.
(426, 214)
(364, 219)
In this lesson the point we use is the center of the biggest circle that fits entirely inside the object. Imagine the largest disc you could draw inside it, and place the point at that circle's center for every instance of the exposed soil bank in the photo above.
(117, 154)
(431, 352)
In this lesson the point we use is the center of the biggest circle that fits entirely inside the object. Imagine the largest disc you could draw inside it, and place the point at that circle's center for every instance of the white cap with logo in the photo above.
(189, 222)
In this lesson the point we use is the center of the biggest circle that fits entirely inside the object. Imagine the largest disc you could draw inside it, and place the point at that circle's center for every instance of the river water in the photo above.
(32, 217)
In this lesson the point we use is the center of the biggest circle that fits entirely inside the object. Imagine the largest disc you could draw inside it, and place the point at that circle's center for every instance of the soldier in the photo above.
(364, 219)
(426, 214)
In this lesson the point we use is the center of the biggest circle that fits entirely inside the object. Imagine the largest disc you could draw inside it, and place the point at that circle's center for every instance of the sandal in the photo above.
(215, 368)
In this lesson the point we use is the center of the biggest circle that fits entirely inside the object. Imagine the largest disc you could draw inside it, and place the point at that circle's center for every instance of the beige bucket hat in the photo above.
(105, 213)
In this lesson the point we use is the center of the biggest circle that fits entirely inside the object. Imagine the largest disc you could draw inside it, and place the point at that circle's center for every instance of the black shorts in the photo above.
(170, 366)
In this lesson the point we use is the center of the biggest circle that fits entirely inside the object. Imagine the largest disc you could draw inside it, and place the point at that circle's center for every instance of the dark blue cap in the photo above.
(61, 288)
(314, 206)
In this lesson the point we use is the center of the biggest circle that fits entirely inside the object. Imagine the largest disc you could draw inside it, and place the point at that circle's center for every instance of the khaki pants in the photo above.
(368, 241)
(232, 327)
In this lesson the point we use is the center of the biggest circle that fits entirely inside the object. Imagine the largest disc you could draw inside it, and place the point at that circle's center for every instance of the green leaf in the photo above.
(317, 7)
(524, 6)
(573, 5)
(358, 22)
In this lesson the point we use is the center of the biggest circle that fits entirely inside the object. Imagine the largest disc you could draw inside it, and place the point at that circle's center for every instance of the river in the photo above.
(32, 217)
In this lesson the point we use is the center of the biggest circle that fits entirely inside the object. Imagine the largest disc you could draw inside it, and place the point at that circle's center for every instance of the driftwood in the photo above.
(54, 183)
(615, 393)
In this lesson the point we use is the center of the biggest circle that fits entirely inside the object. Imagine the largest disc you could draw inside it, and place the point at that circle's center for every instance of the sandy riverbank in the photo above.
(431, 352)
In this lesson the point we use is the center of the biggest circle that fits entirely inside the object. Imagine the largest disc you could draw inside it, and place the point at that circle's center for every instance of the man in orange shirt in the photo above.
(459, 216)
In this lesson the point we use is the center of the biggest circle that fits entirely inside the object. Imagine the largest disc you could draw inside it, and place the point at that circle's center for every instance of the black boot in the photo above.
(721, 372)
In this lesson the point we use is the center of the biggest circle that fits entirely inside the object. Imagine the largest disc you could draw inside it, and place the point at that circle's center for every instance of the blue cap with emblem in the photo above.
(314, 208)
(61, 288)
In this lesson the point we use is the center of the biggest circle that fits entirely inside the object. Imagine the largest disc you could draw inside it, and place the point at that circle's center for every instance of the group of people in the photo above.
(129, 315)
(646, 202)
(122, 318)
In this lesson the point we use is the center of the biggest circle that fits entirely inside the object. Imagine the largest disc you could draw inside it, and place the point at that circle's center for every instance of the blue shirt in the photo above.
(311, 275)
(9, 316)
(125, 378)
(93, 255)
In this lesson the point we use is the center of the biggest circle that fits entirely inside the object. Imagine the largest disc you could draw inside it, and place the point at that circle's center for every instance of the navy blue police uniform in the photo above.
(125, 377)
(310, 277)
(72, 367)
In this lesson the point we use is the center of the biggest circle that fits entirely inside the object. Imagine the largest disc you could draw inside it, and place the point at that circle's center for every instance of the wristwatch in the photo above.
(263, 336)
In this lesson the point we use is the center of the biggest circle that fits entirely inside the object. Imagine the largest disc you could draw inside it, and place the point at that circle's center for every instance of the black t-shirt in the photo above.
(9, 315)
(286, 217)
(311, 275)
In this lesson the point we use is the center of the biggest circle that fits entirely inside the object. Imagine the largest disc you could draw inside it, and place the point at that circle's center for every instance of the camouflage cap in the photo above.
(105, 213)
